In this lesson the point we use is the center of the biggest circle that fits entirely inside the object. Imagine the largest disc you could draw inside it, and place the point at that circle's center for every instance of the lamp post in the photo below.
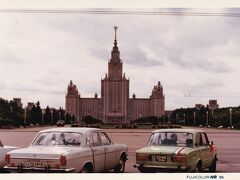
(194, 118)
(230, 118)
(43, 112)
(52, 116)
(207, 118)
(184, 118)
(177, 118)
(25, 116)
(59, 115)
(65, 116)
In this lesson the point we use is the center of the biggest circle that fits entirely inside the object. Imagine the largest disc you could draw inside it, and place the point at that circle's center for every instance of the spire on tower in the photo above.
(115, 40)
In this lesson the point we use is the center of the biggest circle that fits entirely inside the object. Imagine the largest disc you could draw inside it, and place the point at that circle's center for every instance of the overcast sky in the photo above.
(196, 58)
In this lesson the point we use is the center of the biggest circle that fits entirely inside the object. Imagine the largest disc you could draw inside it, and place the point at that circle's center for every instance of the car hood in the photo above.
(41, 152)
(164, 150)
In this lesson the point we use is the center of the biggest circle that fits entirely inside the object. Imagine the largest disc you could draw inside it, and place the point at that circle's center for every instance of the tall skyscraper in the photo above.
(114, 105)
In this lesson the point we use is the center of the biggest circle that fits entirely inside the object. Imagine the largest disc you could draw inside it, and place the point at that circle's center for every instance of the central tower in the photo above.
(115, 89)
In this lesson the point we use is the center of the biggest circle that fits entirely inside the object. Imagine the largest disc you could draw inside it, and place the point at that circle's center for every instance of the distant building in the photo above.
(18, 102)
(198, 106)
(212, 105)
(169, 113)
(115, 105)
(29, 105)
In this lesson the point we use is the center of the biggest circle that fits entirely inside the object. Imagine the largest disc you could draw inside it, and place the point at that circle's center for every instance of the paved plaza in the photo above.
(226, 141)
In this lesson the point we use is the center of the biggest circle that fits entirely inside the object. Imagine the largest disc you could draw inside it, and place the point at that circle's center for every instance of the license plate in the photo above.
(161, 158)
(34, 164)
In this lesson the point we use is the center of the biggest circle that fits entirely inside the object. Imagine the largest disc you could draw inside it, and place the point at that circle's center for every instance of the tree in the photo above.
(35, 114)
(47, 116)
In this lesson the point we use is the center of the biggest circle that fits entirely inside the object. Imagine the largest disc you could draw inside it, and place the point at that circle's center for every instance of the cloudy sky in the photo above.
(196, 58)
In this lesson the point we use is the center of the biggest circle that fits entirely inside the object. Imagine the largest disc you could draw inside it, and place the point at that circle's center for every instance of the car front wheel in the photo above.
(121, 165)
(198, 167)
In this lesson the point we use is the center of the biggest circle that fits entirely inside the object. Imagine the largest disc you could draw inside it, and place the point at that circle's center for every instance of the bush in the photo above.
(7, 123)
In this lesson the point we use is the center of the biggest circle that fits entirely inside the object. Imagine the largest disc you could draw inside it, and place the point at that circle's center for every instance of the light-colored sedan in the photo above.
(177, 149)
(3, 152)
(69, 150)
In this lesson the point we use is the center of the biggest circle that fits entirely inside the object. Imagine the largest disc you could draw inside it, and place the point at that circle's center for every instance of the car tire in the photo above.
(86, 169)
(213, 167)
(198, 168)
(121, 165)
(145, 170)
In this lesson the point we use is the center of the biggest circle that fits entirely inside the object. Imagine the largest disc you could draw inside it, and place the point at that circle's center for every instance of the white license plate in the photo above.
(34, 164)
(161, 158)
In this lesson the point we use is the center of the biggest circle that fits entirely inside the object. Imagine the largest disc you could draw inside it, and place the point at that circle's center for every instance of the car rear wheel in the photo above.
(213, 167)
(145, 170)
(86, 169)
(121, 165)
(198, 167)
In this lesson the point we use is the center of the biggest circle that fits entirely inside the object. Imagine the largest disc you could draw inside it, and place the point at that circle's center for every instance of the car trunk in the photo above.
(37, 156)
(168, 156)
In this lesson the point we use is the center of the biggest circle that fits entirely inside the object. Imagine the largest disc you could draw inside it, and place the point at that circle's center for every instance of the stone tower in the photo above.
(157, 100)
(115, 89)
(72, 100)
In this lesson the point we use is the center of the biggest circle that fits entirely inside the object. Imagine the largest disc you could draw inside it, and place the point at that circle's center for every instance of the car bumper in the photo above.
(21, 169)
(155, 167)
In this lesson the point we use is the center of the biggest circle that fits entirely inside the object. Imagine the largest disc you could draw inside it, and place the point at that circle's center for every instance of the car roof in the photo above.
(73, 129)
(179, 130)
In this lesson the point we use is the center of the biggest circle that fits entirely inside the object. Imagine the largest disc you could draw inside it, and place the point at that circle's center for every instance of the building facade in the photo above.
(212, 105)
(18, 101)
(115, 105)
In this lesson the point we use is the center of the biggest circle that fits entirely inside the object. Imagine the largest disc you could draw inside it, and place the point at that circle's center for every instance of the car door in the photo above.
(110, 150)
(98, 152)
(207, 154)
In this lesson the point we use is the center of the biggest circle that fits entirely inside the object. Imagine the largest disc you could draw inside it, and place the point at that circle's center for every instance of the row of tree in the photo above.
(11, 113)
(204, 116)
(196, 117)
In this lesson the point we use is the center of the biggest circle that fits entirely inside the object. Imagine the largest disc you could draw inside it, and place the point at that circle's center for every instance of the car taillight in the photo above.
(63, 160)
(143, 157)
(179, 158)
(212, 148)
(7, 158)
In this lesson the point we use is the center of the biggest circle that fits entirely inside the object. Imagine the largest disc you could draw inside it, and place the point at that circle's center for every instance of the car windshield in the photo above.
(181, 139)
(58, 139)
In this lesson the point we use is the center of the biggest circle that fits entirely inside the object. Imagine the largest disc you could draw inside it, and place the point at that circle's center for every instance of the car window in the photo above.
(104, 138)
(58, 139)
(204, 139)
(94, 139)
(1, 144)
(181, 139)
